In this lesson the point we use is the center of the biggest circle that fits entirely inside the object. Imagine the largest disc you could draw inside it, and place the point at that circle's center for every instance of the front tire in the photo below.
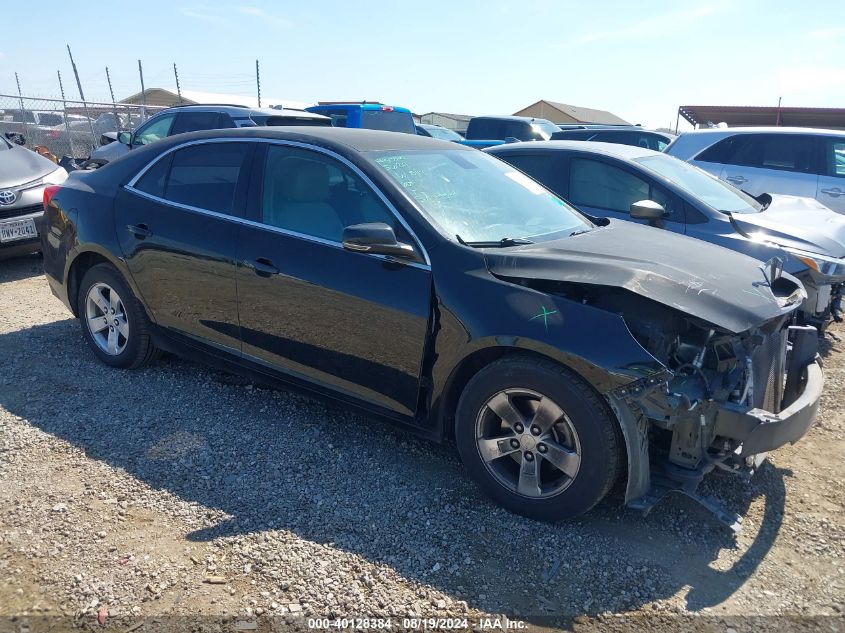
(113, 321)
(537, 439)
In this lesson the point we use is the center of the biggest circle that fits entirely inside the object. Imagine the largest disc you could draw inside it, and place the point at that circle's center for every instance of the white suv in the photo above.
(792, 161)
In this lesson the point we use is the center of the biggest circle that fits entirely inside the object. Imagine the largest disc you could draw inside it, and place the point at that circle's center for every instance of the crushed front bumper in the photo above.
(761, 431)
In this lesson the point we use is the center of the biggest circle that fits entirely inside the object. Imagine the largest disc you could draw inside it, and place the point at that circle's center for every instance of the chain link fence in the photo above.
(69, 128)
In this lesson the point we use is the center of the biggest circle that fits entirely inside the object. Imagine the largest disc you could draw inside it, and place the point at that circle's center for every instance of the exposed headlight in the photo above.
(822, 264)
(55, 177)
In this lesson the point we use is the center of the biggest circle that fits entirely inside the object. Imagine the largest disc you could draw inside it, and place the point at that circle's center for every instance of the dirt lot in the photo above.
(173, 491)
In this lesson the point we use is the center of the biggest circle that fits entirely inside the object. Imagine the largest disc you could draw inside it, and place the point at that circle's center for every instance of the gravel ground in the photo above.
(143, 497)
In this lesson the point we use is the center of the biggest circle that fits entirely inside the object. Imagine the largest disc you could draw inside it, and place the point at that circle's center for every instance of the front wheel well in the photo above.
(474, 363)
(81, 265)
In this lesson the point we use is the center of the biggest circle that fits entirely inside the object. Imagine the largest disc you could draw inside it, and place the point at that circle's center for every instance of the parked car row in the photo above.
(443, 289)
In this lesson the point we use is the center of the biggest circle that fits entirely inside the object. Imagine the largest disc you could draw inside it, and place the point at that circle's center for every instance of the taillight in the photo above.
(49, 192)
(387, 108)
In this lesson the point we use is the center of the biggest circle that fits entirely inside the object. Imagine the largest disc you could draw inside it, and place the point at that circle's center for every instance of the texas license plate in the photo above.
(17, 230)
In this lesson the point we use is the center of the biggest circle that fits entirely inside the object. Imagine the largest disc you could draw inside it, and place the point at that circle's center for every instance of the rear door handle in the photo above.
(835, 192)
(263, 267)
(140, 230)
(737, 180)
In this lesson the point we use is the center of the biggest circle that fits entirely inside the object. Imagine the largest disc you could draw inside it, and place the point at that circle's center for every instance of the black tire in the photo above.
(597, 433)
(138, 349)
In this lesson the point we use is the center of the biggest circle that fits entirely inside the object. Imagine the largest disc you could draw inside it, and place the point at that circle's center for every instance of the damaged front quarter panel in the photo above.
(719, 397)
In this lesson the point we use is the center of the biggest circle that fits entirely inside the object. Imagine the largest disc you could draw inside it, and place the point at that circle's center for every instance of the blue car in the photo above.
(367, 115)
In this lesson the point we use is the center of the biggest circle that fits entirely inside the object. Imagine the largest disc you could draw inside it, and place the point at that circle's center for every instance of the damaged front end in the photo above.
(724, 401)
(737, 376)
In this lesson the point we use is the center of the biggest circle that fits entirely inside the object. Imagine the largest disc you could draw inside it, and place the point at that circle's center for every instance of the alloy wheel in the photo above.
(528, 443)
(106, 319)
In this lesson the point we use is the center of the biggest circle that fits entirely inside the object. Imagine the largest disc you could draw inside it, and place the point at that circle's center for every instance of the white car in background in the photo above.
(793, 161)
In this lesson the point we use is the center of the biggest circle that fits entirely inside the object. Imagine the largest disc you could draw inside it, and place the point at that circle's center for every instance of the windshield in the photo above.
(443, 133)
(479, 197)
(715, 193)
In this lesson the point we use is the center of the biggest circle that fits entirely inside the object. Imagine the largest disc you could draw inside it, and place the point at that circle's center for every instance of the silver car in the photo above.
(793, 161)
(23, 177)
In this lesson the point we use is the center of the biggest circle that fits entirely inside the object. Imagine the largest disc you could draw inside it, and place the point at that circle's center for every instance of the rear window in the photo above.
(291, 120)
(390, 120)
(500, 129)
(50, 119)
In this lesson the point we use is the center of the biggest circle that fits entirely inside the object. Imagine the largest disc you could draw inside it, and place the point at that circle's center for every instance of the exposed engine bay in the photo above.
(695, 415)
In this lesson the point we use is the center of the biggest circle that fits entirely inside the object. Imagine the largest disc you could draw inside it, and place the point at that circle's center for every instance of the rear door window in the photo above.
(784, 152)
(195, 121)
(206, 176)
(835, 157)
(542, 167)
(154, 180)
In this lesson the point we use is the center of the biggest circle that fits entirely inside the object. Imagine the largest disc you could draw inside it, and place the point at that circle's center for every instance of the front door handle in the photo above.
(835, 192)
(263, 267)
(737, 180)
(140, 230)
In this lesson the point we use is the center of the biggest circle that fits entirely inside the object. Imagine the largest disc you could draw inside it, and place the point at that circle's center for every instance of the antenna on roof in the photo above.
(258, 82)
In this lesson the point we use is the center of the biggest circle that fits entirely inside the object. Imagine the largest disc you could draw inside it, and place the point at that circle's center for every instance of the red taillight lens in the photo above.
(49, 192)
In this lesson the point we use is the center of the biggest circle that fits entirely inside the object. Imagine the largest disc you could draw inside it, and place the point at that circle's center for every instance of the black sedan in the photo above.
(437, 287)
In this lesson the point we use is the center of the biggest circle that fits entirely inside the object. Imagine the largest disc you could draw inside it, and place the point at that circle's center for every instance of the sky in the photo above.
(639, 60)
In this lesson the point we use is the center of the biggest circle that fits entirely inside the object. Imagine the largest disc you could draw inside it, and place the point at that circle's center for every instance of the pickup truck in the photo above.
(487, 131)
(369, 115)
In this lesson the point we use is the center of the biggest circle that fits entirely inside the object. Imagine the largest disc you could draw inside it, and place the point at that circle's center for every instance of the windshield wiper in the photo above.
(579, 232)
(502, 243)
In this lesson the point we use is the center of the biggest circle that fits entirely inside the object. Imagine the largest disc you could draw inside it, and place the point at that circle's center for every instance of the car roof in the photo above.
(363, 106)
(767, 130)
(615, 150)
(342, 138)
(240, 111)
(511, 118)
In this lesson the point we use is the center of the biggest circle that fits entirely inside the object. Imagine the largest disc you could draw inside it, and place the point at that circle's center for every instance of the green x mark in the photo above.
(545, 314)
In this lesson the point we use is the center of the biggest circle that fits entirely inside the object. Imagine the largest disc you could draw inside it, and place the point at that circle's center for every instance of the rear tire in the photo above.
(113, 321)
(537, 439)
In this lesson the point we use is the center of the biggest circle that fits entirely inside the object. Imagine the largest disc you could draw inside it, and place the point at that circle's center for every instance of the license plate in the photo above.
(17, 230)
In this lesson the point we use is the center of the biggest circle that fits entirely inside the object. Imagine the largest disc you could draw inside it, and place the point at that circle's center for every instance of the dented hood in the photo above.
(715, 284)
(796, 222)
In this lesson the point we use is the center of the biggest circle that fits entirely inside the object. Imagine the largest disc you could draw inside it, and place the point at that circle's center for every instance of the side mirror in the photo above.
(650, 211)
(125, 138)
(377, 238)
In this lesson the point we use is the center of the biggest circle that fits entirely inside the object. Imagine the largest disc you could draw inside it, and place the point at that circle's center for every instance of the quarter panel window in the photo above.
(719, 152)
(206, 176)
(313, 194)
